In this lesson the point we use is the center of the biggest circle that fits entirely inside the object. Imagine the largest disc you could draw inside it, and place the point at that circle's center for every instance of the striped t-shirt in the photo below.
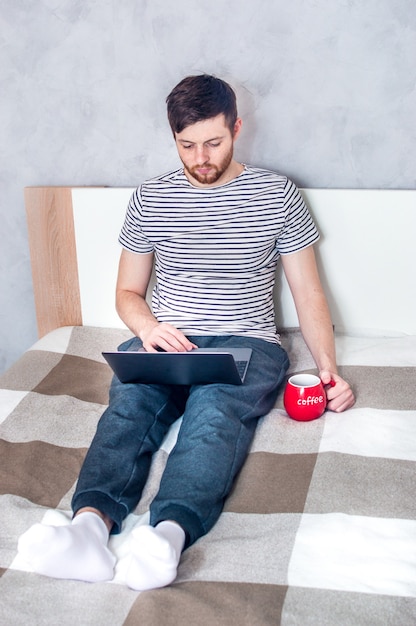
(216, 248)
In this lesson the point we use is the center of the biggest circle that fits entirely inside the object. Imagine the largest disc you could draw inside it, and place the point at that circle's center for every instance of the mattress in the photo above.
(320, 526)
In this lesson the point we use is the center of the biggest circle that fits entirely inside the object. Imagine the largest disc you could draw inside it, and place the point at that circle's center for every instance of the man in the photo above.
(215, 230)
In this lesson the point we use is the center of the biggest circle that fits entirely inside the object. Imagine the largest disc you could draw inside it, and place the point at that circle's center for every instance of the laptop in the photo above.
(199, 366)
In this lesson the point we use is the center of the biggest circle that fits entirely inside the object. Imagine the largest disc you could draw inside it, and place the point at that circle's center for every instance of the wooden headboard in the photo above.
(365, 255)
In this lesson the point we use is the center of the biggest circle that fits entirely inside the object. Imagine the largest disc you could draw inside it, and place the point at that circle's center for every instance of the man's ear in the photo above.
(237, 127)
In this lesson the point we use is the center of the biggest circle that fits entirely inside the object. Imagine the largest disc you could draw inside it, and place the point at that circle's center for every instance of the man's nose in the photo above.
(202, 155)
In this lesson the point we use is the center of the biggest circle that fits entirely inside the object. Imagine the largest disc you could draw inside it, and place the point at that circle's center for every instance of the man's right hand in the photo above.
(163, 336)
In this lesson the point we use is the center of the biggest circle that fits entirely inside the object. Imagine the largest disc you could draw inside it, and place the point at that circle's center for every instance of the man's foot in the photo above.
(155, 555)
(77, 551)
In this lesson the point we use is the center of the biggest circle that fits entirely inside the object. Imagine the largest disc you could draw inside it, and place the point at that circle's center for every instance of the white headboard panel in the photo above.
(365, 256)
(98, 217)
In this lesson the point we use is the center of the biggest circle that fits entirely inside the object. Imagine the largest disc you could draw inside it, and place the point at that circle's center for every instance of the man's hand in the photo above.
(338, 392)
(166, 337)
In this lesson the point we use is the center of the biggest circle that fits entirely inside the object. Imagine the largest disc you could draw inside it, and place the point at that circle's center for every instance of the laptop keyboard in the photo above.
(241, 367)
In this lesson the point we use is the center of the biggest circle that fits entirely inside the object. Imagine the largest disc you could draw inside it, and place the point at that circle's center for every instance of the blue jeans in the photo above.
(213, 442)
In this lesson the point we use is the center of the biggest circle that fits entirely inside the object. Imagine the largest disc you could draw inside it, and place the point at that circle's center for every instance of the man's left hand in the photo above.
(339, 394)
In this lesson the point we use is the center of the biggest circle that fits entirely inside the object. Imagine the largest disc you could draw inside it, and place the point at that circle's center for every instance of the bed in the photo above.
(320, 527)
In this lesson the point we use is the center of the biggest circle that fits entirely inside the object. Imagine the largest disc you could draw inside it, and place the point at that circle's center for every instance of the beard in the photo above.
(216, 171)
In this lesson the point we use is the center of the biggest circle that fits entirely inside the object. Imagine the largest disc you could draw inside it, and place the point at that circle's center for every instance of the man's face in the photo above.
(206, 150)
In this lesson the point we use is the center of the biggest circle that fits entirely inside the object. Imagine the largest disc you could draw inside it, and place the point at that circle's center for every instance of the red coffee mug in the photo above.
(304, 398)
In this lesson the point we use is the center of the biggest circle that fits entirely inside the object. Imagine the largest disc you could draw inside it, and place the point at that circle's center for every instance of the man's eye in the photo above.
(213, 145)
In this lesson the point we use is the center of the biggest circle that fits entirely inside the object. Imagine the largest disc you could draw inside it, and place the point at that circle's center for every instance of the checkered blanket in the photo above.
(320, 527)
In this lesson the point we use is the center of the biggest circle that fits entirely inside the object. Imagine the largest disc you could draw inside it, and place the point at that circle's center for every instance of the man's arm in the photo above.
(315, 323)
(134, 274)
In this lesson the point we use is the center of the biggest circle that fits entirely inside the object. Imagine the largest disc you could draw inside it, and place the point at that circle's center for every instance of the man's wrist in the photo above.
(146, 328)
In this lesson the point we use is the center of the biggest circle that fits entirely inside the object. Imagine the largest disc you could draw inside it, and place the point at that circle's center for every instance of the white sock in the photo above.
(155, 555)
(77, 551)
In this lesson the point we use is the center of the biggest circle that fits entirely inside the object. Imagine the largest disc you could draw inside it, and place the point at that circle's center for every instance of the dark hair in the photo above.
(198, 98)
